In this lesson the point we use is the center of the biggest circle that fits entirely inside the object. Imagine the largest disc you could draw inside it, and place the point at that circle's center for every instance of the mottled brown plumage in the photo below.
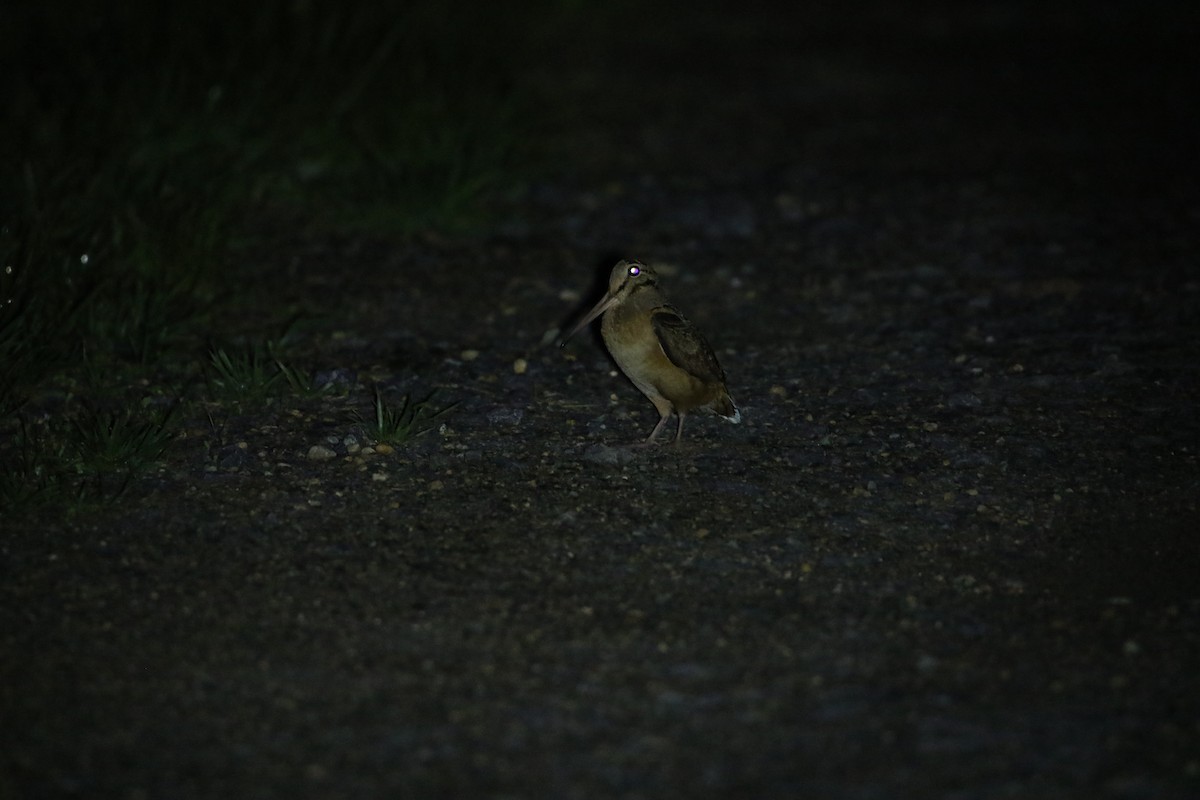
(663, 353)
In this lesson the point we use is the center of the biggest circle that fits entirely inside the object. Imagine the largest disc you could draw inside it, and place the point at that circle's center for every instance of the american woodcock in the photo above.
(664, 355)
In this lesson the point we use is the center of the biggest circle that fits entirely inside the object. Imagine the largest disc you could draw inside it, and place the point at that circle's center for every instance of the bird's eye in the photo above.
(634, 271)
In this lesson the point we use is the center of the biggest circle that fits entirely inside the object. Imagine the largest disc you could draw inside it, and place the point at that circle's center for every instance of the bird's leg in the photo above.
(679, 430)
(664, 408)
(654, 433)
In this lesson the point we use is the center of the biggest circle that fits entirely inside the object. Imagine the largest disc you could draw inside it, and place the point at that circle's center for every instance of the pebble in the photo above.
(320, 453)
(964, 400)
(603, 454)
(520, 365)
(335, 379)
(233, 456)
(505, 416)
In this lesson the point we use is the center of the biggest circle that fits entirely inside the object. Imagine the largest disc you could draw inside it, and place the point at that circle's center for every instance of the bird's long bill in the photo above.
(604, 304)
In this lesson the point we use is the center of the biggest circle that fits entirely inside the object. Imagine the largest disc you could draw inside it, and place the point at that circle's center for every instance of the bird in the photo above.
(659, 350)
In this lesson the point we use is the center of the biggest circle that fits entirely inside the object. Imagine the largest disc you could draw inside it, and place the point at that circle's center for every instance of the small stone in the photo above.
(233, 456)
(436, 486)
(469, 355)
(335, 379)
(384, 449)
(964, 400)
(320, 453)
(603, 454)
(789, 207)
(505, 416)
(520, 366)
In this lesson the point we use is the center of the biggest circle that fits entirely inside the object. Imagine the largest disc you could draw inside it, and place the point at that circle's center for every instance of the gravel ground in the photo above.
(948, 261)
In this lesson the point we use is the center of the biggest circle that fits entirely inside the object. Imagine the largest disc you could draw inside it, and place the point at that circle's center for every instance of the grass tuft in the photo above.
(305, 384)
(249, 376)
(255, 375)
(110, 448)
(89, 457)
(400, 424)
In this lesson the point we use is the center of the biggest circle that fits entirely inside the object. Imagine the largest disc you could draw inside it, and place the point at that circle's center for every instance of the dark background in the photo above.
(945, 252)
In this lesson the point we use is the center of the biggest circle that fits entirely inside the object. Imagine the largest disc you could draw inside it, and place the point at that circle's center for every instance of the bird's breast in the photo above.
(631, 340)
(634, 345)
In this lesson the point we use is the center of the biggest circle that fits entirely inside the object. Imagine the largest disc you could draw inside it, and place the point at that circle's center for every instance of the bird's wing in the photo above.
(684, 345)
